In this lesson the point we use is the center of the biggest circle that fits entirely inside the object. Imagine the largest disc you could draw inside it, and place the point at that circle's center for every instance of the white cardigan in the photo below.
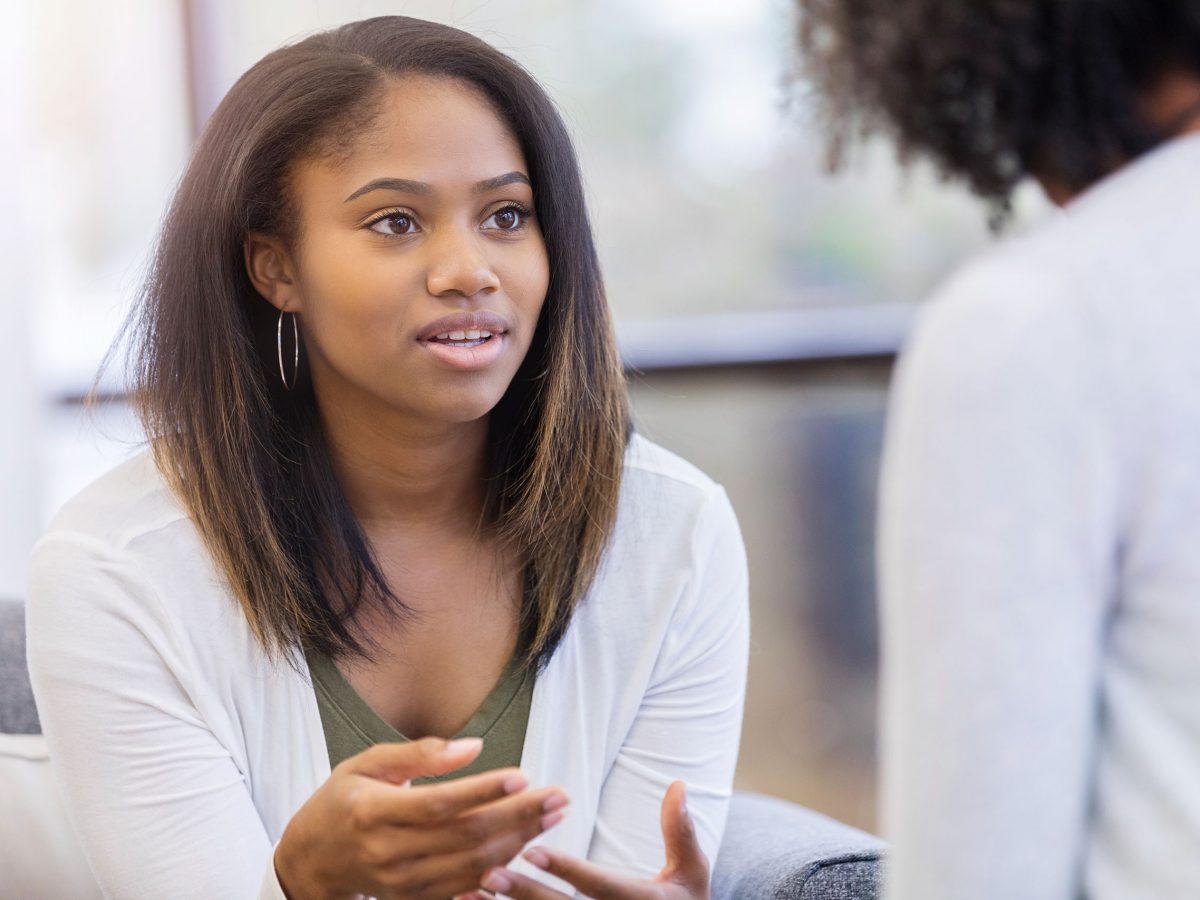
(182, 752)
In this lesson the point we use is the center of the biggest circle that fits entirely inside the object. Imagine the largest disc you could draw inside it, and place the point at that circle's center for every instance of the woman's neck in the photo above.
(399, 474)
(1172, 106)
(1174, 103)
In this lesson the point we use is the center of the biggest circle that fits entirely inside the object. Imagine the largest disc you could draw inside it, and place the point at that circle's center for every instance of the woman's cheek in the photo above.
(350, 337)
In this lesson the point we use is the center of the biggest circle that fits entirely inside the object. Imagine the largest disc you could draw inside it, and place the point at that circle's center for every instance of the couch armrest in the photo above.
(776, 849)
(18, 714)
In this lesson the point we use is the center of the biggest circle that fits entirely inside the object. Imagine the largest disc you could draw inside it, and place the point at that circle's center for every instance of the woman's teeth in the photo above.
(463, 336)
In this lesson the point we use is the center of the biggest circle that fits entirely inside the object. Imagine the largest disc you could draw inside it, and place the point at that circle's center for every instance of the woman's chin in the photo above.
(461, 410)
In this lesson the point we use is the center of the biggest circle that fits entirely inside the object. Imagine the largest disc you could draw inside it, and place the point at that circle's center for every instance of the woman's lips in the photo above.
(467, 354)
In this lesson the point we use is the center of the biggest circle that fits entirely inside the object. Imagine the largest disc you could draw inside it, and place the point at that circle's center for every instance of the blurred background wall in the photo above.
(759, 300)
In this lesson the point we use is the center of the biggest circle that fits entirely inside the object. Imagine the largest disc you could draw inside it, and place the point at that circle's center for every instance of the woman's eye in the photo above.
(394, 223)
(511, 218)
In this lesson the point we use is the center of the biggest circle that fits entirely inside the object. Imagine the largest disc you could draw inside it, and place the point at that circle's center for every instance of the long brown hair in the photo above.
(248, 458)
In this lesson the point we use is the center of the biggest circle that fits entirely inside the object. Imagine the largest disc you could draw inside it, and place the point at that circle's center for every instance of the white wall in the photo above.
(20, 474)
(93, 134)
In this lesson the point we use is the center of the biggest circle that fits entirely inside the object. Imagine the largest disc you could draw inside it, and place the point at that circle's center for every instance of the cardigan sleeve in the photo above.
(688, 724)
(997, 562)
(157, 803)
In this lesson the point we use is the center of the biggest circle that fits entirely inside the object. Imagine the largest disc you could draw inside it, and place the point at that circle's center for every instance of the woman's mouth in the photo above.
(465, 349)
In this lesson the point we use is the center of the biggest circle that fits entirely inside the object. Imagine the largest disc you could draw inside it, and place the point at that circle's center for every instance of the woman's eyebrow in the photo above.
(490, 184)
(408, 186)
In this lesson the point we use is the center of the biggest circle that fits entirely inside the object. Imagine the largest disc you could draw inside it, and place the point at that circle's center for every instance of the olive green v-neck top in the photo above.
(351, 726)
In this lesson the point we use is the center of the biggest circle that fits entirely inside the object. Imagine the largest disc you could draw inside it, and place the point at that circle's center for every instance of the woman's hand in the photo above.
(684, 877)
(366, 830)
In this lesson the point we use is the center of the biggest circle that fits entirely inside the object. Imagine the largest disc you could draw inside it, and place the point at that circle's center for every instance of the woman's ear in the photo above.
(271, 270)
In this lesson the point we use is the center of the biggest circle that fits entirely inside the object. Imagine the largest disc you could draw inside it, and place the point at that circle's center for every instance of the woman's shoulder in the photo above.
(648, 465)
(667, 505)
(1005, 320)
(127, 502)
(676, 551)
(1010, 286)
(125, 541)
(663, 493)
(122, 563)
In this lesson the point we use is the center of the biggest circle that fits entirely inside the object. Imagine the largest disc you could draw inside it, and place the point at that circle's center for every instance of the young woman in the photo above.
(1040, 506)
(391, 493)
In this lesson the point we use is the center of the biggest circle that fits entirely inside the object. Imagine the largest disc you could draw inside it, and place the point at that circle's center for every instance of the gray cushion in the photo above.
(775, 850)
(18, 715)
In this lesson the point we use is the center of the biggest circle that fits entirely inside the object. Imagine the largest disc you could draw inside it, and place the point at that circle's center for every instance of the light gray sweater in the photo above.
(1040, 560)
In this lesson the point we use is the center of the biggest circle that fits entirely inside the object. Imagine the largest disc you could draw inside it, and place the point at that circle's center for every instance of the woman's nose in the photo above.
(458, 265)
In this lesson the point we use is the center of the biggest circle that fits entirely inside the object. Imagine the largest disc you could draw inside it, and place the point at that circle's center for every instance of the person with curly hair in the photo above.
(1040, 500)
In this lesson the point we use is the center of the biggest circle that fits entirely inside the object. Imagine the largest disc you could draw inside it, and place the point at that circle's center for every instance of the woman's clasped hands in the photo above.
(367, 831)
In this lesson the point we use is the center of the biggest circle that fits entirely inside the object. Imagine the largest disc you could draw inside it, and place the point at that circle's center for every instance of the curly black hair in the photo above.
(995, 90)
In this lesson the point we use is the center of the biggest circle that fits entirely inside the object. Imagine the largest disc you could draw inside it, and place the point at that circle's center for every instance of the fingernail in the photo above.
(514, 783)
(551, 820)
(462, 744)
(538, 857)
(497, 880)
(553, 802)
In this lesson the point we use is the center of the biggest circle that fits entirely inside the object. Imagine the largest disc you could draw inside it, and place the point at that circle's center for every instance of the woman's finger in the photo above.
(531, 812)
(444, 802)
(593, 880)
(686, 863)
(528, 812)
(518, 887)
(452, 873)
(386, 804)
(401, 762)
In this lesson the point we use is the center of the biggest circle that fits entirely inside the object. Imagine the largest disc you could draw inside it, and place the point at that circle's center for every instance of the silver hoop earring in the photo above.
(279, 345)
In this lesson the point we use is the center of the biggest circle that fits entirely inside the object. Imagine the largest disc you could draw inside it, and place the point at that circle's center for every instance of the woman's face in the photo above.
(420, 270)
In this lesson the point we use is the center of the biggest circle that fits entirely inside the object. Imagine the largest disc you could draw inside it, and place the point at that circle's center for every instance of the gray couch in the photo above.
(772, 849)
